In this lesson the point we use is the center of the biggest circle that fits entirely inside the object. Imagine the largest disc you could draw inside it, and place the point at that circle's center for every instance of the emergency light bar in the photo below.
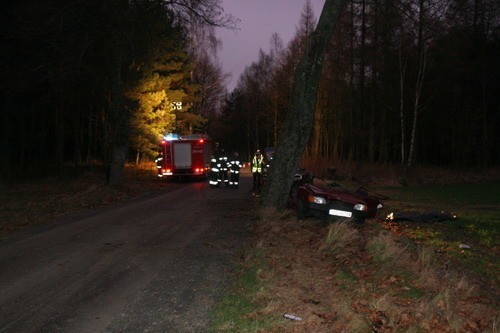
(171, 136)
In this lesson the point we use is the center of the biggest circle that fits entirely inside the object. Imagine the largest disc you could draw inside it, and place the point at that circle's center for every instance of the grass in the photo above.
(339, 235)
(345, 279)
(413, 277)
(237, 311)
(478, 225)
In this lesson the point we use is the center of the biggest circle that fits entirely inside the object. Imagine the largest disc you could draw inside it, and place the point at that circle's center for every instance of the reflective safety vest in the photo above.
(257, 164)
(235, 165)
(223, 163)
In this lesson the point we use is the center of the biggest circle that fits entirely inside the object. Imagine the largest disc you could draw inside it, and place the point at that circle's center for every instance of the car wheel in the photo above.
(301, 209)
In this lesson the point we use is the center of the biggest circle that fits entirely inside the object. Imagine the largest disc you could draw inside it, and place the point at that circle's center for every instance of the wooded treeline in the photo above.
(97, 82)
(404, 82)
(88, 82)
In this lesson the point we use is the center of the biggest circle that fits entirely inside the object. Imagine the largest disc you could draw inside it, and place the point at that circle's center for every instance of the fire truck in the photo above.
(186, 156)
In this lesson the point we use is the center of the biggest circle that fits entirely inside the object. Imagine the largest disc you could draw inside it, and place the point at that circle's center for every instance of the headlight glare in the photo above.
(319, 200)
(359, 207)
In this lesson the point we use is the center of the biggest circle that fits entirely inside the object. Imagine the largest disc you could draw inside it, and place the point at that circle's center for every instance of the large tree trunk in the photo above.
(119, 121)
(299, 121)
(119, 116)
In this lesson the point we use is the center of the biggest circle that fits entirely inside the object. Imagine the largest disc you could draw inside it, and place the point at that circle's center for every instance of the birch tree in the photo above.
(423, 26)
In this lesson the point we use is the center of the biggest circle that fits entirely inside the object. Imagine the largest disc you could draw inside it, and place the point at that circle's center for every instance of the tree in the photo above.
(207, 75)
(298, 124)
(163, 83)
(276, 56)
(209, 80)
(417, 33)
(206, 11)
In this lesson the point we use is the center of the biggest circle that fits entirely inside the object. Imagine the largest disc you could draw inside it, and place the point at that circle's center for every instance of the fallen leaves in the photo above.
(343, 290)
(39, 202)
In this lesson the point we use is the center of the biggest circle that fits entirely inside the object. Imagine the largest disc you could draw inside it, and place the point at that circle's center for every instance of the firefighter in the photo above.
(214, 172)
(257, 166)
(223, 166)
(159, 162)
(234, 166)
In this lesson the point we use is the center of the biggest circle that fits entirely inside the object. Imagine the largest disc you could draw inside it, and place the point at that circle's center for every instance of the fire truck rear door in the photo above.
(182, 155)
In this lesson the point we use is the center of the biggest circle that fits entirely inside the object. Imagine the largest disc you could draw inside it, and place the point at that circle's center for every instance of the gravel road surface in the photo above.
(155, 264)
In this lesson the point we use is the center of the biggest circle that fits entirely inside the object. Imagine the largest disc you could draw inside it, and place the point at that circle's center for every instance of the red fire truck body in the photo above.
(186, 156)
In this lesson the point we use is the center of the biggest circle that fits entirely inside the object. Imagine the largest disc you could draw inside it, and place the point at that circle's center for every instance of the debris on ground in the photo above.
(291, 316)
(429, 216)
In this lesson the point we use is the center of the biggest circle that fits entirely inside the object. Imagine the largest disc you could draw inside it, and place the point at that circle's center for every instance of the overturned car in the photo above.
(331, 201)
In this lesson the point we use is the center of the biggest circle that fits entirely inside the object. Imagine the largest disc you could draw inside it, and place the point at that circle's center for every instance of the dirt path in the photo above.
(155, 264)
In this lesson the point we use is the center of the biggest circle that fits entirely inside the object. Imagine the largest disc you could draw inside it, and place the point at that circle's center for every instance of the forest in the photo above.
(404, 83)
(97, 83)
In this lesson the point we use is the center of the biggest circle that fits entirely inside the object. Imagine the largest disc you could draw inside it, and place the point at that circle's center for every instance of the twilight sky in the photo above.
(259, 20)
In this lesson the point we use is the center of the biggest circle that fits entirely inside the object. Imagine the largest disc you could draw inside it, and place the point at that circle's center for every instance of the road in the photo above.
(156, 264)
